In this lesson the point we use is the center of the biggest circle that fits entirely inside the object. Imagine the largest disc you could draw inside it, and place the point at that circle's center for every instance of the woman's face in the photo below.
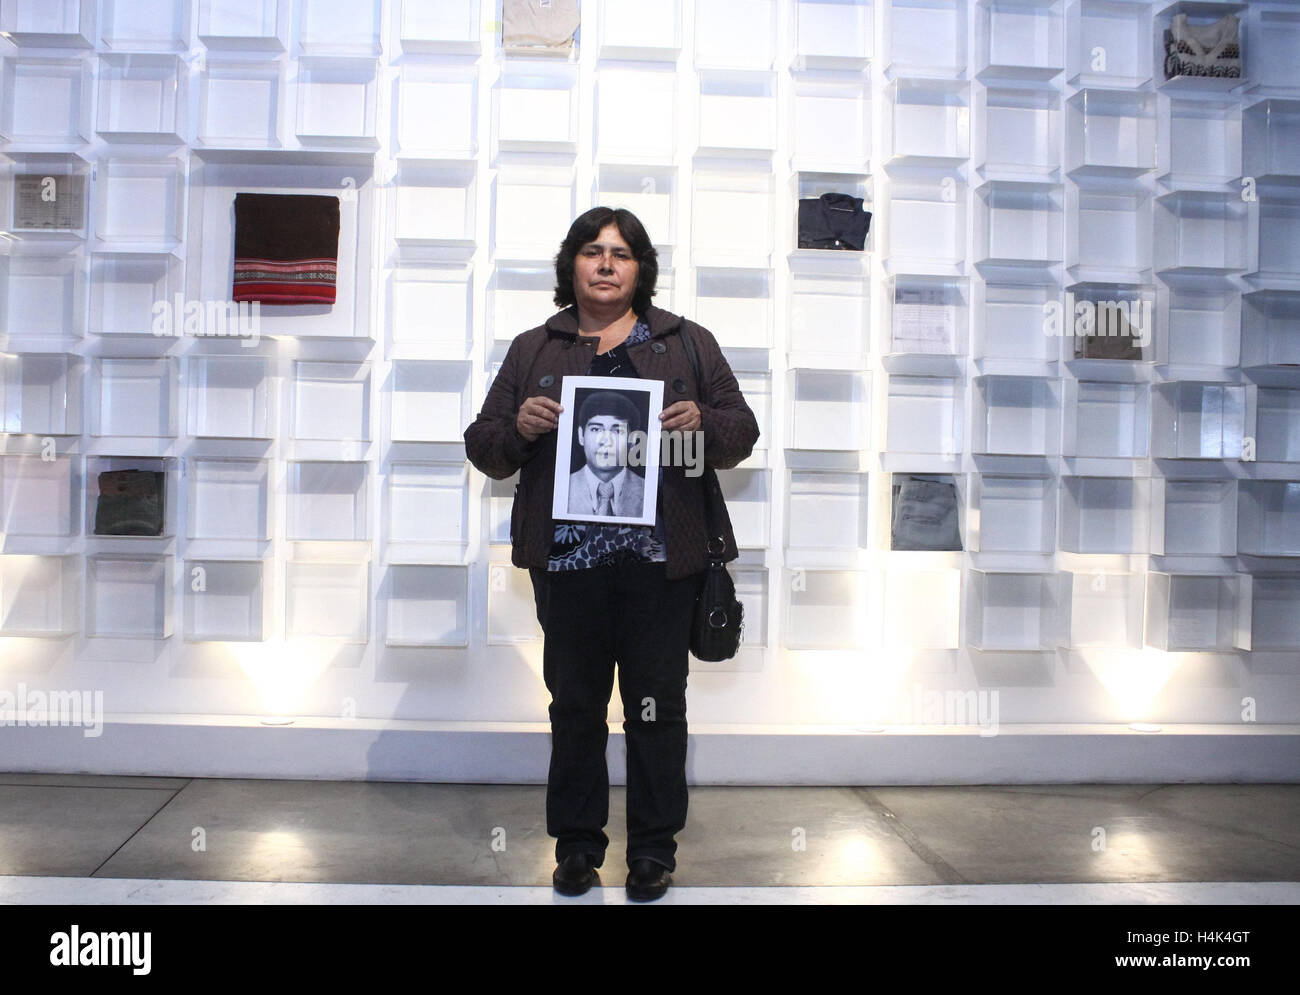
(605, 273)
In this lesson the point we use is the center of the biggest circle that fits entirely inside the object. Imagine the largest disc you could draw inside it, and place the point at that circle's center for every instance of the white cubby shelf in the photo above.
(1108, 43)
(227, 601)
(42, 298)
(929, 122)
(46, 102)
(1274, 602)
(49, 23)
(241, 104)
(231, 397)
(735, 34)
(229, 499)
(1013, 513)
(1020, 39)
(1012, 611)
(1102, 609)
(921, 608)
(832, 35)
(337, 102)
(145, 25)
(449, 27)
(1110, 133)
(129, 597)
(1200, 144)
(828, 410)
(425, 605)
(40, 596)
(1018, 133)
(1191, 420)
(825, 608)
(41, 393)
(926, 38)
(332, 29)
(328, 501)
(426, 512)
(1268, 517)
(1193, 516)
(327, 600)
(142, 98)
(42, 499)
(1019, 225)
(1104, 514)
(245, 25)
(1274, 32)
(1198, 612)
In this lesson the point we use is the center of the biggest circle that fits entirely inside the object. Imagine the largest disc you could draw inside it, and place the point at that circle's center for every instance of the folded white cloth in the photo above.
(548, 24)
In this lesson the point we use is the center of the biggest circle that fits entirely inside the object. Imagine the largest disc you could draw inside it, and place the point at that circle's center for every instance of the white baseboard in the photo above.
(518, 753)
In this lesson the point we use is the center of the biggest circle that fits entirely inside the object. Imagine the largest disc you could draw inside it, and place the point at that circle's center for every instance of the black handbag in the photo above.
(719, 619)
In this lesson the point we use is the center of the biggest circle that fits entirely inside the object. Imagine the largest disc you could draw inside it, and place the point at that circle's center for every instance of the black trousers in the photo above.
(592, 618)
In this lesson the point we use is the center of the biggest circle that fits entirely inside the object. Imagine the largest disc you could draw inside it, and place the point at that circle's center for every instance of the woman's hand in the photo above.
(680, 415)
(537, 416)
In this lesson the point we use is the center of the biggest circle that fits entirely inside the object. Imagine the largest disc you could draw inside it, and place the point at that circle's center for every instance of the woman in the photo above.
(608, 593)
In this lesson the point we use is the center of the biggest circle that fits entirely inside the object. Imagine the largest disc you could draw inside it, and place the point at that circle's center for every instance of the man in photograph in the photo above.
(605, 486)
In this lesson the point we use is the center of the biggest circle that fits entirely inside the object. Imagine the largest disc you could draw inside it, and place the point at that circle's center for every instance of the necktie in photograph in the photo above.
(605, 499)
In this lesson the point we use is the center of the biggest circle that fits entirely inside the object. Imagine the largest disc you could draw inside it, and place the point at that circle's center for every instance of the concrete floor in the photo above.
(56, 831)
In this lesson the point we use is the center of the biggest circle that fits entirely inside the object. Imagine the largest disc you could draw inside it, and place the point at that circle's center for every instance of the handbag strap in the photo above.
(711, 485)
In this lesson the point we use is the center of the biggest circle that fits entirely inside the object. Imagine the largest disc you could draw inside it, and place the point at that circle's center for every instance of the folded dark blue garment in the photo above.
(833, 221)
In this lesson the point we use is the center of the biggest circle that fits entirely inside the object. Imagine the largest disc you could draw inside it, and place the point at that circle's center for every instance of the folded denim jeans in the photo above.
(925, 513)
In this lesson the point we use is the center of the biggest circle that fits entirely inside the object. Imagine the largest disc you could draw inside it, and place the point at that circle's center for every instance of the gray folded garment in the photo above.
(547, 24)
(130, 503)
(1117, 341)
(924, 512)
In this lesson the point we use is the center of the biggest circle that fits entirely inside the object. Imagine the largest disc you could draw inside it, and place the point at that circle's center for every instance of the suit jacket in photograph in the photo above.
(627, 500)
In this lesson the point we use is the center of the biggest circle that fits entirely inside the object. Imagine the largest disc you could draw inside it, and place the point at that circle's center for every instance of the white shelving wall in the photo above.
(327, 549)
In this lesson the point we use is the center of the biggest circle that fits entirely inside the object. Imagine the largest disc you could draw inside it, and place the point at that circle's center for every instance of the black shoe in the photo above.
(575, 874)
(647, 880)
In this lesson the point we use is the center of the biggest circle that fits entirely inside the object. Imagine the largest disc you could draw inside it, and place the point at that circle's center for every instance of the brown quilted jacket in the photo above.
(536, 363)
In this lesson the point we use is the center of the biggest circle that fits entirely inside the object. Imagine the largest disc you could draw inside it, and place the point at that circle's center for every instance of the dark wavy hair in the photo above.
(608, 402)
(586, 228)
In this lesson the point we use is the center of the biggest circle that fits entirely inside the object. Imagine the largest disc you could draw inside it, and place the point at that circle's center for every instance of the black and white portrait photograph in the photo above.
(612, 424)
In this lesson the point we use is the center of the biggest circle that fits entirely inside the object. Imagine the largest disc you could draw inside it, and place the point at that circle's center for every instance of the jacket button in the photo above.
(658, 346)
(679, 385)
(546, 381)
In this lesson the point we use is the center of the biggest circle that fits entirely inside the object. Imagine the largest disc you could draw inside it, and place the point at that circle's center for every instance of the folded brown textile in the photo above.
(286, 248)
